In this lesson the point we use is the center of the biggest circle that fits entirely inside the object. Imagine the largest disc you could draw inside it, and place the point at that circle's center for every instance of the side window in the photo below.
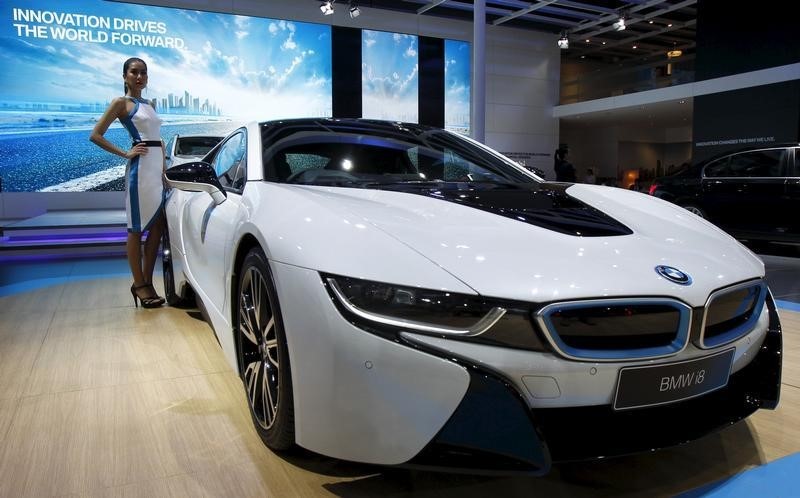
(299, 161)
(796, 162)
(428, 163)
(758, 163)
(170, 146)
(460, 169)
(718, 168)
(455, 168)
(230, 162)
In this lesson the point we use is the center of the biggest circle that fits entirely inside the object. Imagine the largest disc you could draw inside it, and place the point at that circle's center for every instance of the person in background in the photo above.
(144, 186)
(565, 171)
(590, 178)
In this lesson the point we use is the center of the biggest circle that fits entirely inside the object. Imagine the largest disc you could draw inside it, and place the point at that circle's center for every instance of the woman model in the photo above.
(144, 187)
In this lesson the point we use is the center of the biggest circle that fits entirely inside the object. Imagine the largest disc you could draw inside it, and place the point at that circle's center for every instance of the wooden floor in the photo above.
(98, 398)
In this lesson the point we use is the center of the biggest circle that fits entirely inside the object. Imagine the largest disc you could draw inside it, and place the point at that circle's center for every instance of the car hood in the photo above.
(508, 254)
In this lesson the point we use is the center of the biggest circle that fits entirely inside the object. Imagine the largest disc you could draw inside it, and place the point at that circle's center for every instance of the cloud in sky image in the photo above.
(250, 68)
(389, 76)
(457, 97)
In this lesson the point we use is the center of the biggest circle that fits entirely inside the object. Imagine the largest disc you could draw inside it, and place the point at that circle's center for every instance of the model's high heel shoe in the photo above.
(147, 301)
(155, 294)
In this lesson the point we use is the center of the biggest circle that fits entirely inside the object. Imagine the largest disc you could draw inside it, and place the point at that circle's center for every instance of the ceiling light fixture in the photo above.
(563, 42)
(327, 7)
(619, 25)
(354, 10)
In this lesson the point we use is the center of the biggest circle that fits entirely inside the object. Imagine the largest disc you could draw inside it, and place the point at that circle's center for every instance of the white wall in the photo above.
(19, 205)
(522, 85)
(522, 78)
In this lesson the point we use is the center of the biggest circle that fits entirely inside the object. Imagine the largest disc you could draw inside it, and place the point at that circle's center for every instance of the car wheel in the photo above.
(263, 354)
(694, 210)
(170, 294)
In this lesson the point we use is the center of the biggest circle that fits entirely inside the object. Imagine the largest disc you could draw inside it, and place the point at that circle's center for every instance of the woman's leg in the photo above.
(134, 250)
(151, 248)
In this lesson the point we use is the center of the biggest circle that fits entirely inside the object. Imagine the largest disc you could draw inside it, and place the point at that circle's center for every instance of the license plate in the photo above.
(657, 385)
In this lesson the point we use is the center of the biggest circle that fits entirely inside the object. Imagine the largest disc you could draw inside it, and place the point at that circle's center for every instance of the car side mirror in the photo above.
(196, 177)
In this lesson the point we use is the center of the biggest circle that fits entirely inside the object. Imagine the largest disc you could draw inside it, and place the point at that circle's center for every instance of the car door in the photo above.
(208, 228)
(791, 209)
(743, 193)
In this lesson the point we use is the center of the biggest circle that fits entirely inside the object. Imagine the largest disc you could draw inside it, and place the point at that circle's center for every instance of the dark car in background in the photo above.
(187, 148)
(753, 193)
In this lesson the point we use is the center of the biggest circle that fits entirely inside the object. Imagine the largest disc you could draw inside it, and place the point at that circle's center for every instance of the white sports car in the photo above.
(397, 294)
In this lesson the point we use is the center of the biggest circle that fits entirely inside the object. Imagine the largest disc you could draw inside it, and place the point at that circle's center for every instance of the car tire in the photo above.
(263, 354)
(170, 293)
(695, 210)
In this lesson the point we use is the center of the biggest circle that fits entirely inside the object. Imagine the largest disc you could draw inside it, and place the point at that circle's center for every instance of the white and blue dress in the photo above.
(144, 187)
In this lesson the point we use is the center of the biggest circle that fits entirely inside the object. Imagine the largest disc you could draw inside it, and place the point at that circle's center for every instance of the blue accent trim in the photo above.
(677, 344)
(788, 305)
(133, 193)
(777, 478)
(128, 123)
(43, 283)
(746, 327)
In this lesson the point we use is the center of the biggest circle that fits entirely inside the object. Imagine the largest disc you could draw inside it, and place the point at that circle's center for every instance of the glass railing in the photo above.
(616, 80)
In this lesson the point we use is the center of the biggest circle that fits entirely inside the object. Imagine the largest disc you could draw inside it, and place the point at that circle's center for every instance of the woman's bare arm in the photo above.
(115, 110)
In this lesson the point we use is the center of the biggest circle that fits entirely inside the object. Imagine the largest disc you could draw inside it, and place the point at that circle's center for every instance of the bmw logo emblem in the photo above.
(674, 275)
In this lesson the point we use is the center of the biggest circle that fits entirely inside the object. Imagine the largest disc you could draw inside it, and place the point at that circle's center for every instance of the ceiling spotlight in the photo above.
(354, 11)
(563, 42)
(327, 8)
(619, 25)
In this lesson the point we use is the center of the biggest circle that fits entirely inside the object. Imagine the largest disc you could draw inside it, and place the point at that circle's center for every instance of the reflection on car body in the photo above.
(397, 294)
(752, 193)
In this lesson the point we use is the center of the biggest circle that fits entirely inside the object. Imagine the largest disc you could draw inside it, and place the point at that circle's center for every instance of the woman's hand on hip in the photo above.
(139, 149)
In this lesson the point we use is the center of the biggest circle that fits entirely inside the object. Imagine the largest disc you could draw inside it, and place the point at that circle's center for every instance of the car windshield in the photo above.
(196, 146)
(397, 158)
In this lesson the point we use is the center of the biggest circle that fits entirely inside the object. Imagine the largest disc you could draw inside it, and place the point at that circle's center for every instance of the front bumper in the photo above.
(362, 397)
(493, 429)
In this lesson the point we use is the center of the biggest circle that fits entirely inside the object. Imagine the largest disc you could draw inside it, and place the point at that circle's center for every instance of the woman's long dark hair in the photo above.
(127, 65)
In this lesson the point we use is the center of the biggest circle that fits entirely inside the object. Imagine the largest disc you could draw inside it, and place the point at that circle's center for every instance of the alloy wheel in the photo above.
(259, 348)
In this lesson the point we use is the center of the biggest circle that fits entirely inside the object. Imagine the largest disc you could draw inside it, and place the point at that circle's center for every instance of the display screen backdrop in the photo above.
(389, 76)
(208, 73)
(457, 98)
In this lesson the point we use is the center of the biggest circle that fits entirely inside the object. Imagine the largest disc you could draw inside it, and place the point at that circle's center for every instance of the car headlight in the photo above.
(387, 309)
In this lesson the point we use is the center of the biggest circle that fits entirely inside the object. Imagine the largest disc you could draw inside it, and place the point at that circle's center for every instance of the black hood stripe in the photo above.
(544, 205)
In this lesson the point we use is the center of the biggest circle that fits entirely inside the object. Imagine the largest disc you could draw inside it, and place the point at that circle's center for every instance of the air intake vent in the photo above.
(617, 329)
(731, 313)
